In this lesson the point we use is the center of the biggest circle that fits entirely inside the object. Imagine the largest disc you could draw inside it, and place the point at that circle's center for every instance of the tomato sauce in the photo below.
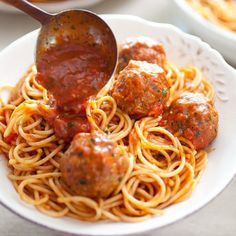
(72, 73)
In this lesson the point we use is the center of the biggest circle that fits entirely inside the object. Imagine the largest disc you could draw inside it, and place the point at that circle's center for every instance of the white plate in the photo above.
(221, 39)
(55, 7)
(182, 49)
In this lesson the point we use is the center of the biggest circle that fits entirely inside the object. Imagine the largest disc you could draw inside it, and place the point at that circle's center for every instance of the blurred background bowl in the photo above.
(54, 5)
(219, 38)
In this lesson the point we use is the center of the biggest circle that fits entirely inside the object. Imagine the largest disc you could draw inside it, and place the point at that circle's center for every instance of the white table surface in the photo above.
(217, 218)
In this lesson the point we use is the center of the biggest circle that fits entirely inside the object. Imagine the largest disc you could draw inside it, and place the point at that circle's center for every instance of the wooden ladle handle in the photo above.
(30, 9)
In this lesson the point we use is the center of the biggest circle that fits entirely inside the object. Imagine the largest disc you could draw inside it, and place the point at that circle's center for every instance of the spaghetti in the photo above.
(164, 168)
(220, 12)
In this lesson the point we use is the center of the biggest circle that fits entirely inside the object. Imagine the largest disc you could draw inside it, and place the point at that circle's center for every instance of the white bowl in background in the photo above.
(182, 49)
(219, 38)
(55, 6)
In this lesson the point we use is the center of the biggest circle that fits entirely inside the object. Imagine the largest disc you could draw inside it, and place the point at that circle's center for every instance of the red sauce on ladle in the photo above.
(71, 73)
(73, 70)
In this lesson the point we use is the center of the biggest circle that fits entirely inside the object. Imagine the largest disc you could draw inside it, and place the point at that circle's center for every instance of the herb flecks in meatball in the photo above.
(141, 49)
(93, 166)
(194, 117)
(141, 89)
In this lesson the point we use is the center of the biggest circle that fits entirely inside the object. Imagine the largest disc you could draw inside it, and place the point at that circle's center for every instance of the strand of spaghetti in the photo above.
(108, 99)
(17, 115)
(26, 160)
(44, 142)
(126, 129)
(39, 176)
(43, 132)
(114, 204)
(33, 125)
(156, 199)
(183, 189)
(174, 77)
(40, 188)
(34, 161)
(110, 216)
(55, 188)
(197, 78)
(57, 214)
(130, 218)
(127, 174)
(168, 173)
(160, 164)
(26, 197)
(116, 128)
(146, 143)
(89, 202)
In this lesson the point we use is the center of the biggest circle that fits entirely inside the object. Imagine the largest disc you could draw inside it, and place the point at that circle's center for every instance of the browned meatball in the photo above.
(141, 49)
(93, 165)
(193, 117)
(141, 89)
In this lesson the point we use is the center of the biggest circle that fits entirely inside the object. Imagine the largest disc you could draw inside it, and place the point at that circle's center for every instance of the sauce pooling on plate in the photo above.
(72, 73)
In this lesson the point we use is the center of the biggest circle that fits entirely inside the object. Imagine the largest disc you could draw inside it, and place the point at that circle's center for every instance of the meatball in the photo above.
(141, 89)
(141, 49)
(194, 117)
(93, 166)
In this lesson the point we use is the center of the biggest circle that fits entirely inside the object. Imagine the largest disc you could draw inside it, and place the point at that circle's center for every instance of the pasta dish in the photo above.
(135, 147)
(219, 12)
